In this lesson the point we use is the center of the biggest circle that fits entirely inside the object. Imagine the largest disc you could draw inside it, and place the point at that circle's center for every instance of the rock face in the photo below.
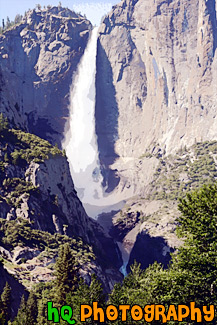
(37, 60)
(41, 192)
(156, 83)
(147, 250)
(46, 196)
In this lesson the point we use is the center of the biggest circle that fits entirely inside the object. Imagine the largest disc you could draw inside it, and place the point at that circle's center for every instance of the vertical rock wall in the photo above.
(37, 61)
(156, 81)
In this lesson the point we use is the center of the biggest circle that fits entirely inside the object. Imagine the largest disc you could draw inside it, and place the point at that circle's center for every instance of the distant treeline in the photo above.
(7, 23)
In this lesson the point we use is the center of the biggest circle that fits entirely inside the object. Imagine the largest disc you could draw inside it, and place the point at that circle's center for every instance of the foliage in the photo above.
(6, 302)
(86, 294)
(19, 149)
(28, 311)
(189, 169)
(15, 187)
(192, 273)
(27, 147)
(32, 148)
(3, 124)
(19, 233)
(22, 313)
(10, 23)
(66, 274)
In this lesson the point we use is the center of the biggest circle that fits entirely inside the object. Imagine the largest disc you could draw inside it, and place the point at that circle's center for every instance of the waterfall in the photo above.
(80, 140)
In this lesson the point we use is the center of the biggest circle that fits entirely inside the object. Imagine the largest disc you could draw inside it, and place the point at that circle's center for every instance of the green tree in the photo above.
(18, 18)
(6, 301)
(28, 311)
(6, 159)
(32, 308)
(192, 274)
(21, 318)
(2, 316)
(2, 319)
(198, 223)
(8, 23)
(44, 293)
(66, 274)
(86, 294)
(42, 308)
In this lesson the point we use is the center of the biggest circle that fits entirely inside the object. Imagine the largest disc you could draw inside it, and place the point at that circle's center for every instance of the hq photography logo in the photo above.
(149, 313)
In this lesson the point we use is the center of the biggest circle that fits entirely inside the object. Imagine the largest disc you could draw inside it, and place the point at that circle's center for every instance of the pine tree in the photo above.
(66, 274)
(86, 294)
(192, 274)
(45, 296)
(6, 159)
(32, 308)
(8, 23)
(21, 318)
(2, 316)
(6, 301)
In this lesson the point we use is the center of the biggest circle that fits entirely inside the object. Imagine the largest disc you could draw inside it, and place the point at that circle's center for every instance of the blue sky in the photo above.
(93, 9)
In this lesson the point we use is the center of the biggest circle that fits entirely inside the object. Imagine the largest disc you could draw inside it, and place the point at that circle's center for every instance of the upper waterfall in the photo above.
(80, 140)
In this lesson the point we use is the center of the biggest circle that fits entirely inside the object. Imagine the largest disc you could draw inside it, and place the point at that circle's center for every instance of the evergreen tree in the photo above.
(18, 18)
(8, 23)
(44, 295)
(198, 257)
(21, 318)
(38, 6)
(32, 308)
(192, 274)
(6, 301)
(86, 294)
(66, 274)
(2, 316)
(6, 159)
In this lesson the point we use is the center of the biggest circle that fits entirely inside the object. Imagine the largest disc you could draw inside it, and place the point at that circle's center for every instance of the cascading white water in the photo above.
(80, 140)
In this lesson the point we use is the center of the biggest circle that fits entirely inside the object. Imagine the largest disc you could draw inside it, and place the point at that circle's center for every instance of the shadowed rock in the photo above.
(149, 249)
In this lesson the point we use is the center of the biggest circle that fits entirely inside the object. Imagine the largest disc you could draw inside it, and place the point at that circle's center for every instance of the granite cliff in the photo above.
(39, 210)
(155, 103)
(37, 60)
(156, 85)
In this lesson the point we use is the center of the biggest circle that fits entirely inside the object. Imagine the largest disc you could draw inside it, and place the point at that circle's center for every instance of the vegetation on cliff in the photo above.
(188, 169)
(191, 275)
(26, 211)
(17, 150)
